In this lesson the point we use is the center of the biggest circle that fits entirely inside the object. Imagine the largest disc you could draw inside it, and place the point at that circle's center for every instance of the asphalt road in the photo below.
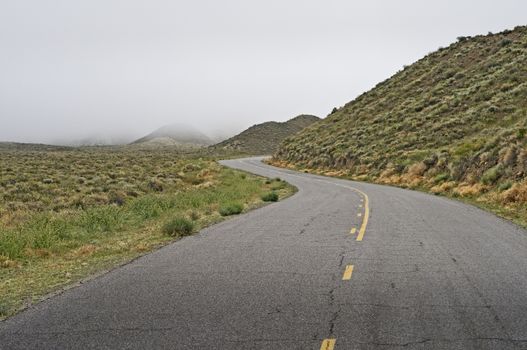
(429, 273)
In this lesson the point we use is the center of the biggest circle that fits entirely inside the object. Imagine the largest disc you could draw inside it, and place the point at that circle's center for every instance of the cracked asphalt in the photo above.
(430, 273)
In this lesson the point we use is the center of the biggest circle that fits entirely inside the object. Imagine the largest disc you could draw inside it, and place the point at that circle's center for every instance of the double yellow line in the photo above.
(362, 230)
(365, 218)
(329, 344)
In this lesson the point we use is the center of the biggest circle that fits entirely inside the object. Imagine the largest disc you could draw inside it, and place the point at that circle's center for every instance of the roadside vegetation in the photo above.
(454, 123)
(67, 213)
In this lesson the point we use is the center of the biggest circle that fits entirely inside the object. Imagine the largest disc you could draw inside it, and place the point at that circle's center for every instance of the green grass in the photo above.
(127, 203)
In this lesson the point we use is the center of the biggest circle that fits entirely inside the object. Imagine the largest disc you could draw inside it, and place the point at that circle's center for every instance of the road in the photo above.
(423, 272)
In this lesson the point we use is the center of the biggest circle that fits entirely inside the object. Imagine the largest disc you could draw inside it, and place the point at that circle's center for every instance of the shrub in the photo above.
(178, 226)
(441, 177)
(193, 180)
(505, 42)
(231, 209)
(492, 175)
(270, 197)
(115, 197)
(504, 186)
(194, 215)
(155, 185)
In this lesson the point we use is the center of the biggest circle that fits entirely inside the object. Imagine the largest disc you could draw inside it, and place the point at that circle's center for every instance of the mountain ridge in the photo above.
(264, 138)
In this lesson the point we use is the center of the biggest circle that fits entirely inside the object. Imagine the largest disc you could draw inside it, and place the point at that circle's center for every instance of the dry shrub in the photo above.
(85, 250)
(466, 189)
(141, 247)
(418, 169)
(522, 160)
(508, 156)
(386, 173)
(415, 182)
(279, 163)
(444, 187)
(205, 174)
(37, 253)
(207, 184)
(335, 173)
(96, 199)
(14, 218)
(392, 180)
(516, 194)
(7, 263)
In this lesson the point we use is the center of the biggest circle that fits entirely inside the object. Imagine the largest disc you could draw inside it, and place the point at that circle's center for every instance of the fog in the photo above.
(119, 69)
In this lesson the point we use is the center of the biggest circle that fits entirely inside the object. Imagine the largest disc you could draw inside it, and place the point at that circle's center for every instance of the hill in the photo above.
(454, 122)
(174, 135)
(264, 138)
(30, 147)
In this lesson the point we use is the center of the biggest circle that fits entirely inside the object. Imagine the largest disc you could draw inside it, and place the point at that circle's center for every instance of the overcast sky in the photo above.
(76, 68)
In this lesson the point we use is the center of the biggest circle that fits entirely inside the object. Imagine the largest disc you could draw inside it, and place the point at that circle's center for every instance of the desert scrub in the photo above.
(270, 197)
(178, 227)
(115, 204)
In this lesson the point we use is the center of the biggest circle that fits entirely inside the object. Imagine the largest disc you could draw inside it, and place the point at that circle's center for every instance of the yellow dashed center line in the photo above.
(362, 229)
(328, 344)
(347, 273)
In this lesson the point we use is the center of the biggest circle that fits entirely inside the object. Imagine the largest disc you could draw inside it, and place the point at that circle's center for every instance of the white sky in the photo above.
(72, 69)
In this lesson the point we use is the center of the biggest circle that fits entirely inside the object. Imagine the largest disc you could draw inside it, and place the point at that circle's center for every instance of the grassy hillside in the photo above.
(264, 138)
(455, 122)
(66, 213)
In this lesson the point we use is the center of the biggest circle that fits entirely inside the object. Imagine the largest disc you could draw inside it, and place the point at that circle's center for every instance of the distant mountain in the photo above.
(264, 138)
(95, 141)
(12, 146)
(175, 135)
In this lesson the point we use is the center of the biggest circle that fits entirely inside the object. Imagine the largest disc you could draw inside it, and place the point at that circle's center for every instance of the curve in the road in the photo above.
(429, 273)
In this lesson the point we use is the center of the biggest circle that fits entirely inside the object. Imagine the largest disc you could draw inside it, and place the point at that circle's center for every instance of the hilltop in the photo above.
(174, 135)
(454, 122)
(264, 138)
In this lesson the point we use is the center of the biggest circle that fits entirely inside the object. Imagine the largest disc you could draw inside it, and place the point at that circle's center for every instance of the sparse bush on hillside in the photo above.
(492, 175)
